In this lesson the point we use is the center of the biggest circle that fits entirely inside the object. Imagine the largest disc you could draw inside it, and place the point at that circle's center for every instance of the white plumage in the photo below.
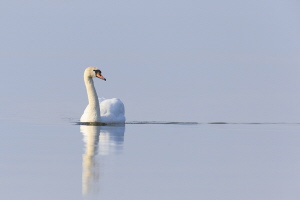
(108, 110)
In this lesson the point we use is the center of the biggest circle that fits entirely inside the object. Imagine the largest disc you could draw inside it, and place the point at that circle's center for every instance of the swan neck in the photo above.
(91, 92)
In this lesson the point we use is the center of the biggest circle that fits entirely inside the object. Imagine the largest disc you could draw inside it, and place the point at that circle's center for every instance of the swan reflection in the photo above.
(99, 140)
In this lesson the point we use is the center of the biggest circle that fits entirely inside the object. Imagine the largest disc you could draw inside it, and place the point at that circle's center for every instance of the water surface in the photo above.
(149, 161)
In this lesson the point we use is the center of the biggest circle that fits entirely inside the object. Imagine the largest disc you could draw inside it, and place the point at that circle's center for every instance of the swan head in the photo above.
(93, 72)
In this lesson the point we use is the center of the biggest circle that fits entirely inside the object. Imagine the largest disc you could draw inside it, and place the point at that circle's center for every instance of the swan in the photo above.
(100, 110)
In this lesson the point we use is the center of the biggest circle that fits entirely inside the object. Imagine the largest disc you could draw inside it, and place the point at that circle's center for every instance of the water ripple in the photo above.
(185, 123)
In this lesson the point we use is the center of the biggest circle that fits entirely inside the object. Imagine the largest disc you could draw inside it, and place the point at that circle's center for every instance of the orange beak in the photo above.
(100, 76)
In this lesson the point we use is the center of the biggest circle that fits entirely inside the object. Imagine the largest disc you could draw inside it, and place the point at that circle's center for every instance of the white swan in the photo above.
(109, 110)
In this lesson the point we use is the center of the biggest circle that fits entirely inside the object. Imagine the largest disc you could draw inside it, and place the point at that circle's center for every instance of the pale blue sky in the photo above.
(233, 61)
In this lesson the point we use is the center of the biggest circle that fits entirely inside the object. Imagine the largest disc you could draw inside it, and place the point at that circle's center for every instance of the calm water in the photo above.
(149, 161)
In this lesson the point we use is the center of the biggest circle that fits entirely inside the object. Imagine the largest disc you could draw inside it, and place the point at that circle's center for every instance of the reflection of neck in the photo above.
(92, 95)
(90, 165)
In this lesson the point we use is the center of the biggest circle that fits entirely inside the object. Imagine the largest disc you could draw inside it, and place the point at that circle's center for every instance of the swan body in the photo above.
(100, 110)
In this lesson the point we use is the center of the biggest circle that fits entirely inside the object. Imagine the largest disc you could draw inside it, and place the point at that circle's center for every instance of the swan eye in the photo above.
(97, 71)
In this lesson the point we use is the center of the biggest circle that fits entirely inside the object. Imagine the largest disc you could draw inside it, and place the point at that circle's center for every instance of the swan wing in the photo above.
(112, 110)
